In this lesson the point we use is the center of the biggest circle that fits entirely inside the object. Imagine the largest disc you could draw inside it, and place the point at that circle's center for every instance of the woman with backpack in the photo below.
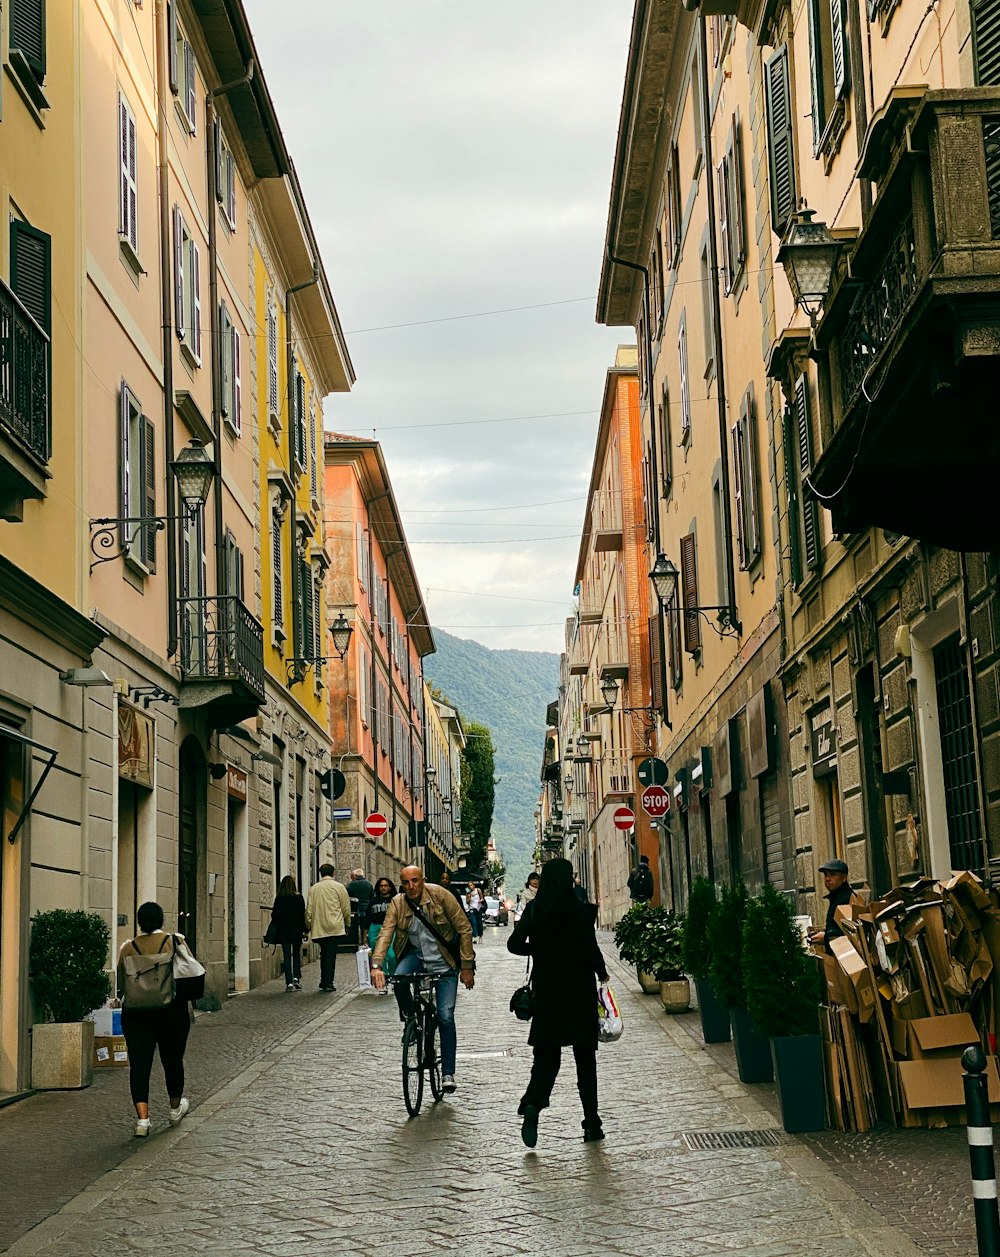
(155, 1015)
(288, 915)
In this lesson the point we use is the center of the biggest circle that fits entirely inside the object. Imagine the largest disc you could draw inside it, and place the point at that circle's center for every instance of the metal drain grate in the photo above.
(717, 1140)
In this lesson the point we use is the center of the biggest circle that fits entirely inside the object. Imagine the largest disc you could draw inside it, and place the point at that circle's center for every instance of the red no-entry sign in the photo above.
(656, 801)
(375, 825)
(624, 817)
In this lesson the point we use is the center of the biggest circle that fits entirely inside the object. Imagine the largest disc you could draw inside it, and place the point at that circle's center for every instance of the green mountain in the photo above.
(509, 691)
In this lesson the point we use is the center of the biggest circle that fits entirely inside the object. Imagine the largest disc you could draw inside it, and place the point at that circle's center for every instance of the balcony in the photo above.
(617, 774)
(222, 656)
(910, 341)
(25, 407)
(605, 521)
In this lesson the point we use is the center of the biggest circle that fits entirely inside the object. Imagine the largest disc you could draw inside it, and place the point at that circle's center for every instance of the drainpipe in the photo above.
(292, 513)
(720, 370)
(167, 314)
(373, 671)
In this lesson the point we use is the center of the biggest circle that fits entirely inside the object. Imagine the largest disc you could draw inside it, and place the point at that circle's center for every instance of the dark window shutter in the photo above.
(278, 609)
(986, 41)
(172, 46)
(751, 480)
(305, 576)
(737, 223)
(781, 153)
(666, 451)
(27, 32)
(179, 273)
(738, 502)
(724, 223)
(148, 462)
(803, 440)
(689, 587)
(124, 493)
(31, 271)
(656, 661)
(818, 101)
(674, 621)
(838, 21)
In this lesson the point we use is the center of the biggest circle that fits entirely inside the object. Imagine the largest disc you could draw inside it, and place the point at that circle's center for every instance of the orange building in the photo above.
(377, 698)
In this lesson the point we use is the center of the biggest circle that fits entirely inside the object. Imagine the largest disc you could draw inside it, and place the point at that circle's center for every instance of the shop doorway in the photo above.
(958, 755)
(191, 791)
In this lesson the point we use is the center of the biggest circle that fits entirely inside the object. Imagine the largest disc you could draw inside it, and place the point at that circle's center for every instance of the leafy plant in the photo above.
(631, 936)
(69, 951)
(478, 789)
(697, 953)
(652, 939)
(783, 990)
(725, 943)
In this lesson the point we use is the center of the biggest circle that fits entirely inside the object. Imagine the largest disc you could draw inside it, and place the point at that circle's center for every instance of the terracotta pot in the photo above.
(650, 985)
(675, 995)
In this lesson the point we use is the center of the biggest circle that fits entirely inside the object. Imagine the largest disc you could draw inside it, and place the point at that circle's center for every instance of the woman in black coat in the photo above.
(557, 932)
(289, 917)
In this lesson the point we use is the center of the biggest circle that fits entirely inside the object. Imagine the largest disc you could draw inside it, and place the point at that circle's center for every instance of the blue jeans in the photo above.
(447, 992)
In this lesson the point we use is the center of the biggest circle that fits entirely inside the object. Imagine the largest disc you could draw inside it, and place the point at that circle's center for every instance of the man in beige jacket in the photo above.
(328, 918)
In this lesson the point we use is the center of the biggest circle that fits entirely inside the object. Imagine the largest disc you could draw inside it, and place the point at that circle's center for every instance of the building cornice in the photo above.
(24, 597)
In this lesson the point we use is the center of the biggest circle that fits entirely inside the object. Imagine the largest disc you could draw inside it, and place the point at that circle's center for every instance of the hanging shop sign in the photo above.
(136, 743)
(236, 783)
(823, 741)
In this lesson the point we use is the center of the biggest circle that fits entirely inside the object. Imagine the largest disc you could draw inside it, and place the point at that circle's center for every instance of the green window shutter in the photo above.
(147, 460)
(689, 589)
(781, 152)
(838, 22)
(986, 41)
(809, 511)
(27, 33)
(31, 271)
(751, 480)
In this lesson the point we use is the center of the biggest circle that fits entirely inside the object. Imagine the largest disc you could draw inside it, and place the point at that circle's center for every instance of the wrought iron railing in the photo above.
(991, 147)
(24, 377)
(221, 641)
(879, 308)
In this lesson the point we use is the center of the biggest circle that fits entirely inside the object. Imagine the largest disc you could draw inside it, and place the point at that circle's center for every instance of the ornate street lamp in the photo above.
(664, 578)
(809, 255)
(340, 634)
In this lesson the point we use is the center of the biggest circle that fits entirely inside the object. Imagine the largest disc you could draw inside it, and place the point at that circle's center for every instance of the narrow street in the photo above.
(308, 1151)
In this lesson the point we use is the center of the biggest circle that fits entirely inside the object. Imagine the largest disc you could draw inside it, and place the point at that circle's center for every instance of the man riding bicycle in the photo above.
(429, 931)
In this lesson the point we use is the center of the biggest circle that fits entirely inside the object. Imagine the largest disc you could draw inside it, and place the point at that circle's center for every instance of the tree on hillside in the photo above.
(477, 789)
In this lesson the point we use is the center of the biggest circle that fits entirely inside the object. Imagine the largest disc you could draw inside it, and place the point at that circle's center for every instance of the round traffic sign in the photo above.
(652, 772)
(624, 817)
(375, 825)
(655, 801)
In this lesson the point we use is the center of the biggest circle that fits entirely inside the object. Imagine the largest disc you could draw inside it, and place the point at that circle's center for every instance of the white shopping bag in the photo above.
(364, 968)
(610, 1024)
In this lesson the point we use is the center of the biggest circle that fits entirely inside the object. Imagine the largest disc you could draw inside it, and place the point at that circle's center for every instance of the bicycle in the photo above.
(421, 1041)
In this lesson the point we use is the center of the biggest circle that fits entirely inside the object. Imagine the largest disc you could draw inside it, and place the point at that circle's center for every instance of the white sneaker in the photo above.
(448, 1084)
(142, 1125)
(178, 1114)
(289, 986)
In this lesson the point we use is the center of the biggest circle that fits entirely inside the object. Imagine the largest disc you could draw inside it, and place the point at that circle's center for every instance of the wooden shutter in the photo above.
(737, 435)
(666, 450)
(148, 464)
(986, 41)
(689, 588)
(674, 623)
(818, 103)
(722, 179)
(276, 575)
(272, 360)
(225, 363)
(751, 479)
(300, 430)
(196, 300)
(172, 46)
(31, 271)
(190, 100)
(128, 199)
(737, 224)
(807, 502)
(231, 189)
(840, 67)
(682, 355)
(124, 460)
(305, 579)
(179, 311)
(237, 415)
(781, 153)
(656, 661)
(27, 33)
(220, 163)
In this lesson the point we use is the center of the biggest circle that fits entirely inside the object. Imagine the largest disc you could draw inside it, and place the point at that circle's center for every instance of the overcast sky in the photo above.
(456, 159)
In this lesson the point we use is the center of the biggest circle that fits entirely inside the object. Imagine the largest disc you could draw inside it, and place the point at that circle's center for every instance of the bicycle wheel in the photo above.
(432, 1057)
(413, 1067)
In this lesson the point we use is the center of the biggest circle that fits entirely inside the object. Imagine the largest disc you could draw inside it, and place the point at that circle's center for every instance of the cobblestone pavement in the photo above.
(308, 1151)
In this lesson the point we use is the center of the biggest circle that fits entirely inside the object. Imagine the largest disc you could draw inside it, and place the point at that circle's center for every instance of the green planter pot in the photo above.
(714, 1017)
(798, 1071)
(753, 1050)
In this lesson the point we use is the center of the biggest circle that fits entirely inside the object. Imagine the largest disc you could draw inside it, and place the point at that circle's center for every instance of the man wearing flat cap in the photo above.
(838, 892)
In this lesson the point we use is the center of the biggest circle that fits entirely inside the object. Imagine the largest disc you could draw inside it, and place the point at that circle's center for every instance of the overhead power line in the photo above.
(481, 314)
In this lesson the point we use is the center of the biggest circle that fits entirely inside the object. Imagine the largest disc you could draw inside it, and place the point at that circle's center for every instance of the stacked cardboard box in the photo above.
(910, 985)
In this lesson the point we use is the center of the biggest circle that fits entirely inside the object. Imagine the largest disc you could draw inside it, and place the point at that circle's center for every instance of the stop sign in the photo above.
(375, 825)
(624, 817)
(655, 801)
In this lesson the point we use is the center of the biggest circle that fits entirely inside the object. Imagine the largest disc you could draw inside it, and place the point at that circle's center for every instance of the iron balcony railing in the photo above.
(25, 410)
(221, 641)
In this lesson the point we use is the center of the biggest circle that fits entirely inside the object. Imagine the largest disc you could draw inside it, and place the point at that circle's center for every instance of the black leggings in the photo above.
(145, 1030)
(545, 1068)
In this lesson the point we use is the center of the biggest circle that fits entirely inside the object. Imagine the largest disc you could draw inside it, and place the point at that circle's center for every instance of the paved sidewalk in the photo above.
(308, 1151)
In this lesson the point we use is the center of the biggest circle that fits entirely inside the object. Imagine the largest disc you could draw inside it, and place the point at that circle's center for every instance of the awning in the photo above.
(14, 735)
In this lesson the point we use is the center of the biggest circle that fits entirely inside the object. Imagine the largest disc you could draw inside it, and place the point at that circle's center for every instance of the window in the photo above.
(128, 193)
(802, 510)
(780, 149)
(313, 463)
(689, 591)
(656, 690)
(673, 618)
(656, 272)
(647, 492)
(707, 310)
(666, 448)
(27, 47)
(137, 480)
(225, 177)
(181, 66)
(232, 406)
(682, 355)
(732, 228)
(31, 271)
(827, 64)
(364, 685)
(362, 549)
(745, 483)
(299, 431)
(673, 199)
(640, 339)
(234, 568)
(304, 608)
(986, 41)
(272, 362)
(277, 575)
(187, 287)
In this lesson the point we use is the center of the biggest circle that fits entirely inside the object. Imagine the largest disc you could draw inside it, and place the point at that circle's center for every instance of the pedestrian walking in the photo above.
(328, 918)
(445, 881)
(384, 893)
(148, 1030)
(640, 881)
(557, 932)
(475, 904)
(288, 915)
(579, 891)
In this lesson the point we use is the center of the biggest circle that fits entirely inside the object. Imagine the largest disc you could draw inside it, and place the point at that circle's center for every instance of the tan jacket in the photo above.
(444, 912)
(328, 909)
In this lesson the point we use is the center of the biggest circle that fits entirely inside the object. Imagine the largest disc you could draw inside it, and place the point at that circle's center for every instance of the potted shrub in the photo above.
(783, 995)
(632, 938)
(725, 941)
(698, 958)
(69, 951)
(666, 956)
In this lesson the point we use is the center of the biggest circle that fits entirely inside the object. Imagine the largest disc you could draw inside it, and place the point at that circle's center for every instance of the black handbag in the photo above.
(271, 935)
(522, 1002)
